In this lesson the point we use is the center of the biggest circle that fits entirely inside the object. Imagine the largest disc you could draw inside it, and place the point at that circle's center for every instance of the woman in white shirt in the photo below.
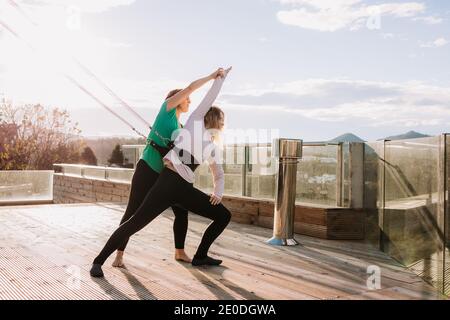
(193, 146)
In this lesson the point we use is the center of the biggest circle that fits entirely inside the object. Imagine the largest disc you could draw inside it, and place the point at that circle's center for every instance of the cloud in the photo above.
(367, 103)
(333, 15)
(316, 93)
(430, 19)
(440, 42)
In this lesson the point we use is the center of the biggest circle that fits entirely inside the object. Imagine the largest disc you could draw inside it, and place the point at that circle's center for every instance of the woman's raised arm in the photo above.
(210, 97)
(176, 99)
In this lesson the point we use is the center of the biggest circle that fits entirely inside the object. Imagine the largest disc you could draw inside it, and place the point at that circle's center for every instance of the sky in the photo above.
(311, 69)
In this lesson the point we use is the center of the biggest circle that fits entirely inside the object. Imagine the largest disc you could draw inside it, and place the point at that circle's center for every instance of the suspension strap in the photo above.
(96, 78)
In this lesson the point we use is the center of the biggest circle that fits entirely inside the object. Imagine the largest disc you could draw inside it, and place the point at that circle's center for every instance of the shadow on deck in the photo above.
(46, 251)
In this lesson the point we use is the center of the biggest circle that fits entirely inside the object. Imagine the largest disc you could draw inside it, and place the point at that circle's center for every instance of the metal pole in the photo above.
(288, 152)
(356, 175)
(446, 187)
(339, 175)
(383, 197)
(244, 171)
(446, 215)
(441, 209)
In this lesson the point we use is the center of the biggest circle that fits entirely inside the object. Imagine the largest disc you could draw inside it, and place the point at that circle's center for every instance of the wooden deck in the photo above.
(46, 251)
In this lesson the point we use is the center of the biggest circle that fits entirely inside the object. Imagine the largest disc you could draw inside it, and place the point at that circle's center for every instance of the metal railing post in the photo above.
(245, 192)
(288, 152)
(356, 175)
(442, 208)
(383, 196)
(446, 277)
(339, 175)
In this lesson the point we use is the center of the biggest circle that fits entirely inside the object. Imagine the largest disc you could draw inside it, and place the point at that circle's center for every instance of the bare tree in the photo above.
(33, 137)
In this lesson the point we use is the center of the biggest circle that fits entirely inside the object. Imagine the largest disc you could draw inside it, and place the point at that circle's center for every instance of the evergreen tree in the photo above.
(88, 157)
(116, 156)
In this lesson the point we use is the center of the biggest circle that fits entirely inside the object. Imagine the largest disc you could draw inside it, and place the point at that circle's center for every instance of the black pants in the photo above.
(143, 180)
(170, 189)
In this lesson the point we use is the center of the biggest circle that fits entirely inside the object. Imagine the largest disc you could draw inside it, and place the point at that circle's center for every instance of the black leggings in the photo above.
(170, 189)
(143, 180)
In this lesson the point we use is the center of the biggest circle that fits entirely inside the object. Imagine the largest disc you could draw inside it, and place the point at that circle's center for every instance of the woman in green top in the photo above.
(151, 163)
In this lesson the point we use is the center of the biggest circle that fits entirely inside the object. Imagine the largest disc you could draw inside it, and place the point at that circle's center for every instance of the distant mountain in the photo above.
(408, 135)
(346, 137)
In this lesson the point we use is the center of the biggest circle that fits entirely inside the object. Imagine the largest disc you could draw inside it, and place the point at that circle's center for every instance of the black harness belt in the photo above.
(186, 157)
(162, 150)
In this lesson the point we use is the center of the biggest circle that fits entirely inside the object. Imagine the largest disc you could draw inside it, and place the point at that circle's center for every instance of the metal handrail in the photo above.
(84, 166)
(268, 144)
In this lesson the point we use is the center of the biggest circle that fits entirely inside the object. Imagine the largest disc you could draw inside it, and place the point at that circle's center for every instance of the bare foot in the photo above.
(118, 261)
(180, 255)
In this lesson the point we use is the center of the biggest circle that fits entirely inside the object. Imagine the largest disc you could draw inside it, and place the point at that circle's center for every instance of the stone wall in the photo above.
(326, 223)
(67, 189)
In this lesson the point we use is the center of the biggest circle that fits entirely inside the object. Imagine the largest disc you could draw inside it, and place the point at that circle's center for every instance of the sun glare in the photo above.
(48, 42)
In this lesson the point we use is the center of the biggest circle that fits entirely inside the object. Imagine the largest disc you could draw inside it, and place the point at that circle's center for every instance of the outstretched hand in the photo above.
(227, 70)
(221, 72)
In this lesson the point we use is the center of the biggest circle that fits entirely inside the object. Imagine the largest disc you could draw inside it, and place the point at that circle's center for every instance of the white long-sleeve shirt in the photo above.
(195, 139)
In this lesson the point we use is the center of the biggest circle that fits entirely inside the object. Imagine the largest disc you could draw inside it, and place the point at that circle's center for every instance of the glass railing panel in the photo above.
(410, 220)
(120, 175)
(317, 175)
(23, 186)
(261, 173)
(71, 170)
(373, 193)
(94, 172)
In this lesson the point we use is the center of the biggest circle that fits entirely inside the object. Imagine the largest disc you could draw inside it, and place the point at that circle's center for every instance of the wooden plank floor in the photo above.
(46, 251)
